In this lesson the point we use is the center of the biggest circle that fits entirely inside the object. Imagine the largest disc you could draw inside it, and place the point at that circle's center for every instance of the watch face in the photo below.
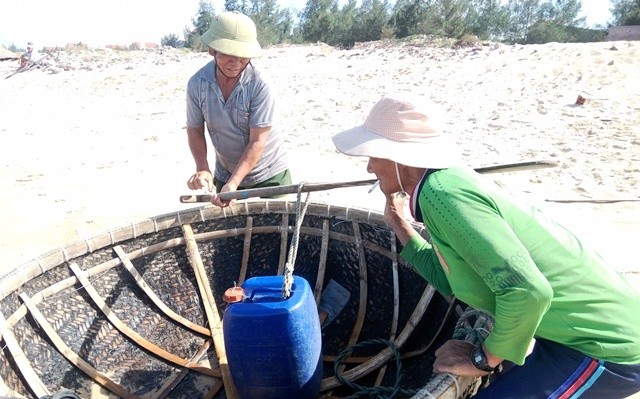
(479, 359)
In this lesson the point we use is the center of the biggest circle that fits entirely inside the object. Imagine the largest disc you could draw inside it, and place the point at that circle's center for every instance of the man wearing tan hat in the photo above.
(237, 106)
(505, 257)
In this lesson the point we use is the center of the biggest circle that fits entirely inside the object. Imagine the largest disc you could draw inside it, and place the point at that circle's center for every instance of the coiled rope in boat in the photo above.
(473, 326)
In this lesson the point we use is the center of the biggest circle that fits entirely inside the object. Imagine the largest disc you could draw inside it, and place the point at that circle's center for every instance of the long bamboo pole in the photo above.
(309, 187)
(211, 310)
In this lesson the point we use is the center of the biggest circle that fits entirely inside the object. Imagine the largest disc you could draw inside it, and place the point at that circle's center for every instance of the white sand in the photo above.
(84, 151)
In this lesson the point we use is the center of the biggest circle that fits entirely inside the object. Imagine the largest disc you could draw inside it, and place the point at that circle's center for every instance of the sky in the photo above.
(101, 22)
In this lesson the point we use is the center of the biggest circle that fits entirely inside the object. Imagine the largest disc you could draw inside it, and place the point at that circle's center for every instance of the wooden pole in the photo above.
(211, 310)
(309, 187)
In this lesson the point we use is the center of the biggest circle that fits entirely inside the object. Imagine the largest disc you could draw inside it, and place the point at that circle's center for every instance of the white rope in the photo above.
(402, 192)
(293, 249)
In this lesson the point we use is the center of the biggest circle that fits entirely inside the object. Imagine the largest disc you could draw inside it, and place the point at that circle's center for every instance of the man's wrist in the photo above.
(480, 360)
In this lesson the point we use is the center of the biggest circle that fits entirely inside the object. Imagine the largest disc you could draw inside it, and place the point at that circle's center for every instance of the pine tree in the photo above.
(201, 24)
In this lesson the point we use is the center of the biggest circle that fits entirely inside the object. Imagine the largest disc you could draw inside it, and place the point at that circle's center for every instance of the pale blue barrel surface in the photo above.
(274, 345)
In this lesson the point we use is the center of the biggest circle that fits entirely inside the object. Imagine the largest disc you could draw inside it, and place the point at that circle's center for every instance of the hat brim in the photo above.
(232, 47)
(436, 153)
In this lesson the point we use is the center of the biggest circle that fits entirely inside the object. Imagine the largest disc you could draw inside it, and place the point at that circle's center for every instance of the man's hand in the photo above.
(455, 357)
(201, 179)
(215, 200)
(394, 215)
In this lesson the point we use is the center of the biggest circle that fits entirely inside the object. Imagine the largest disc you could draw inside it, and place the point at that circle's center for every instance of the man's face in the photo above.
(230, 65)
(385, 171)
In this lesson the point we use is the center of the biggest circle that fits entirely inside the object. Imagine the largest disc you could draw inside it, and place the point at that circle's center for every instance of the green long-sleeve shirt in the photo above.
(532, 274)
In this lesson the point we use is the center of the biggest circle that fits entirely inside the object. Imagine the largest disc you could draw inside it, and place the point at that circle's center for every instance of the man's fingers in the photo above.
(205, 182)
(200, 180)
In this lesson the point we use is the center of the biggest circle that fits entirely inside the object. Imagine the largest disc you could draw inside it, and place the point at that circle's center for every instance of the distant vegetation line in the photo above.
(463, 21)
(516, 21)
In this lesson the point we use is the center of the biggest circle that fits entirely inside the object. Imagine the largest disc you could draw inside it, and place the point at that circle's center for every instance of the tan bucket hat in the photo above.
(403, 130)
(233, 33)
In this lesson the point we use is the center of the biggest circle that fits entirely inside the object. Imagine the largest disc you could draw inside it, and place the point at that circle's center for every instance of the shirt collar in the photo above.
(414, 205)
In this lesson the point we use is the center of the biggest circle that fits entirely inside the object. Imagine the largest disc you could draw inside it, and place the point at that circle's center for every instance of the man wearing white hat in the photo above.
(507, 258)
(237, 106)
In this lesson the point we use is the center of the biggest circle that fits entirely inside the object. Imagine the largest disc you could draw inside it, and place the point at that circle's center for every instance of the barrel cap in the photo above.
(233, 294)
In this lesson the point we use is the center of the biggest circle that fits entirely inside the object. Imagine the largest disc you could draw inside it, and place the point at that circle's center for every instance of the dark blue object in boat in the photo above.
(273, 344)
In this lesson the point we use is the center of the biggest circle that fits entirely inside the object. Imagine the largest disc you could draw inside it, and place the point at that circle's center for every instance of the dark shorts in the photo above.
(553, 371)
(281, 179)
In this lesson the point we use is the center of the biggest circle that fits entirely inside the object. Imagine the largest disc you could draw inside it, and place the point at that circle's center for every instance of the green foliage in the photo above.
(244, 6)
(327, 21)
(274, 25)
(407, 18)
(453, 18)
(545, 32)
(550, 31)
(200, 24)
(565, 12)
(585, 35)
(318, 21)
(172, 40)
(371, 18)
(523, 15)
(345, 27)
(626, 12)
(632, 18)
(488, 19)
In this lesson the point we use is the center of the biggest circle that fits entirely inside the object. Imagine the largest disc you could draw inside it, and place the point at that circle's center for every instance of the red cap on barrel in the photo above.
(233, 294)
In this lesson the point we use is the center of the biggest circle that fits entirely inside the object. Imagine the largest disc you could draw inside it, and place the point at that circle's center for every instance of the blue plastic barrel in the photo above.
(274, 345)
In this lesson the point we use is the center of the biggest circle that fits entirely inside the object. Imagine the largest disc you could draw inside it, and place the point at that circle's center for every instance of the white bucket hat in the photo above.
(402, 130)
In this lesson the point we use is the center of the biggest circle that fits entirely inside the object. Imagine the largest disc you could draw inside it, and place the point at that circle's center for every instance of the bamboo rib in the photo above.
(426, 347)
(246, 247)
(362, 302)
(384, 355)
(71, 355)
(362, 268)
(154, 298)
(322, 263)
(211, 310)
(396, 301)
(214, 390)
(129, 332)
(30, 376)
(171, 383)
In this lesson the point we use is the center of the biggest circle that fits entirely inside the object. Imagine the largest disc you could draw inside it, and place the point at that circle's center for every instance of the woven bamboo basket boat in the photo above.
(136, 312)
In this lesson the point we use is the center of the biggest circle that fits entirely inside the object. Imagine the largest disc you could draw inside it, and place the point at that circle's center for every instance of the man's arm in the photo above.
(248, 160)
(198, 146)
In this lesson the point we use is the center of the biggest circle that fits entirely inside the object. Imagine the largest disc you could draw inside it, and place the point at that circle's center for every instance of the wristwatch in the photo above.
(479, 359)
